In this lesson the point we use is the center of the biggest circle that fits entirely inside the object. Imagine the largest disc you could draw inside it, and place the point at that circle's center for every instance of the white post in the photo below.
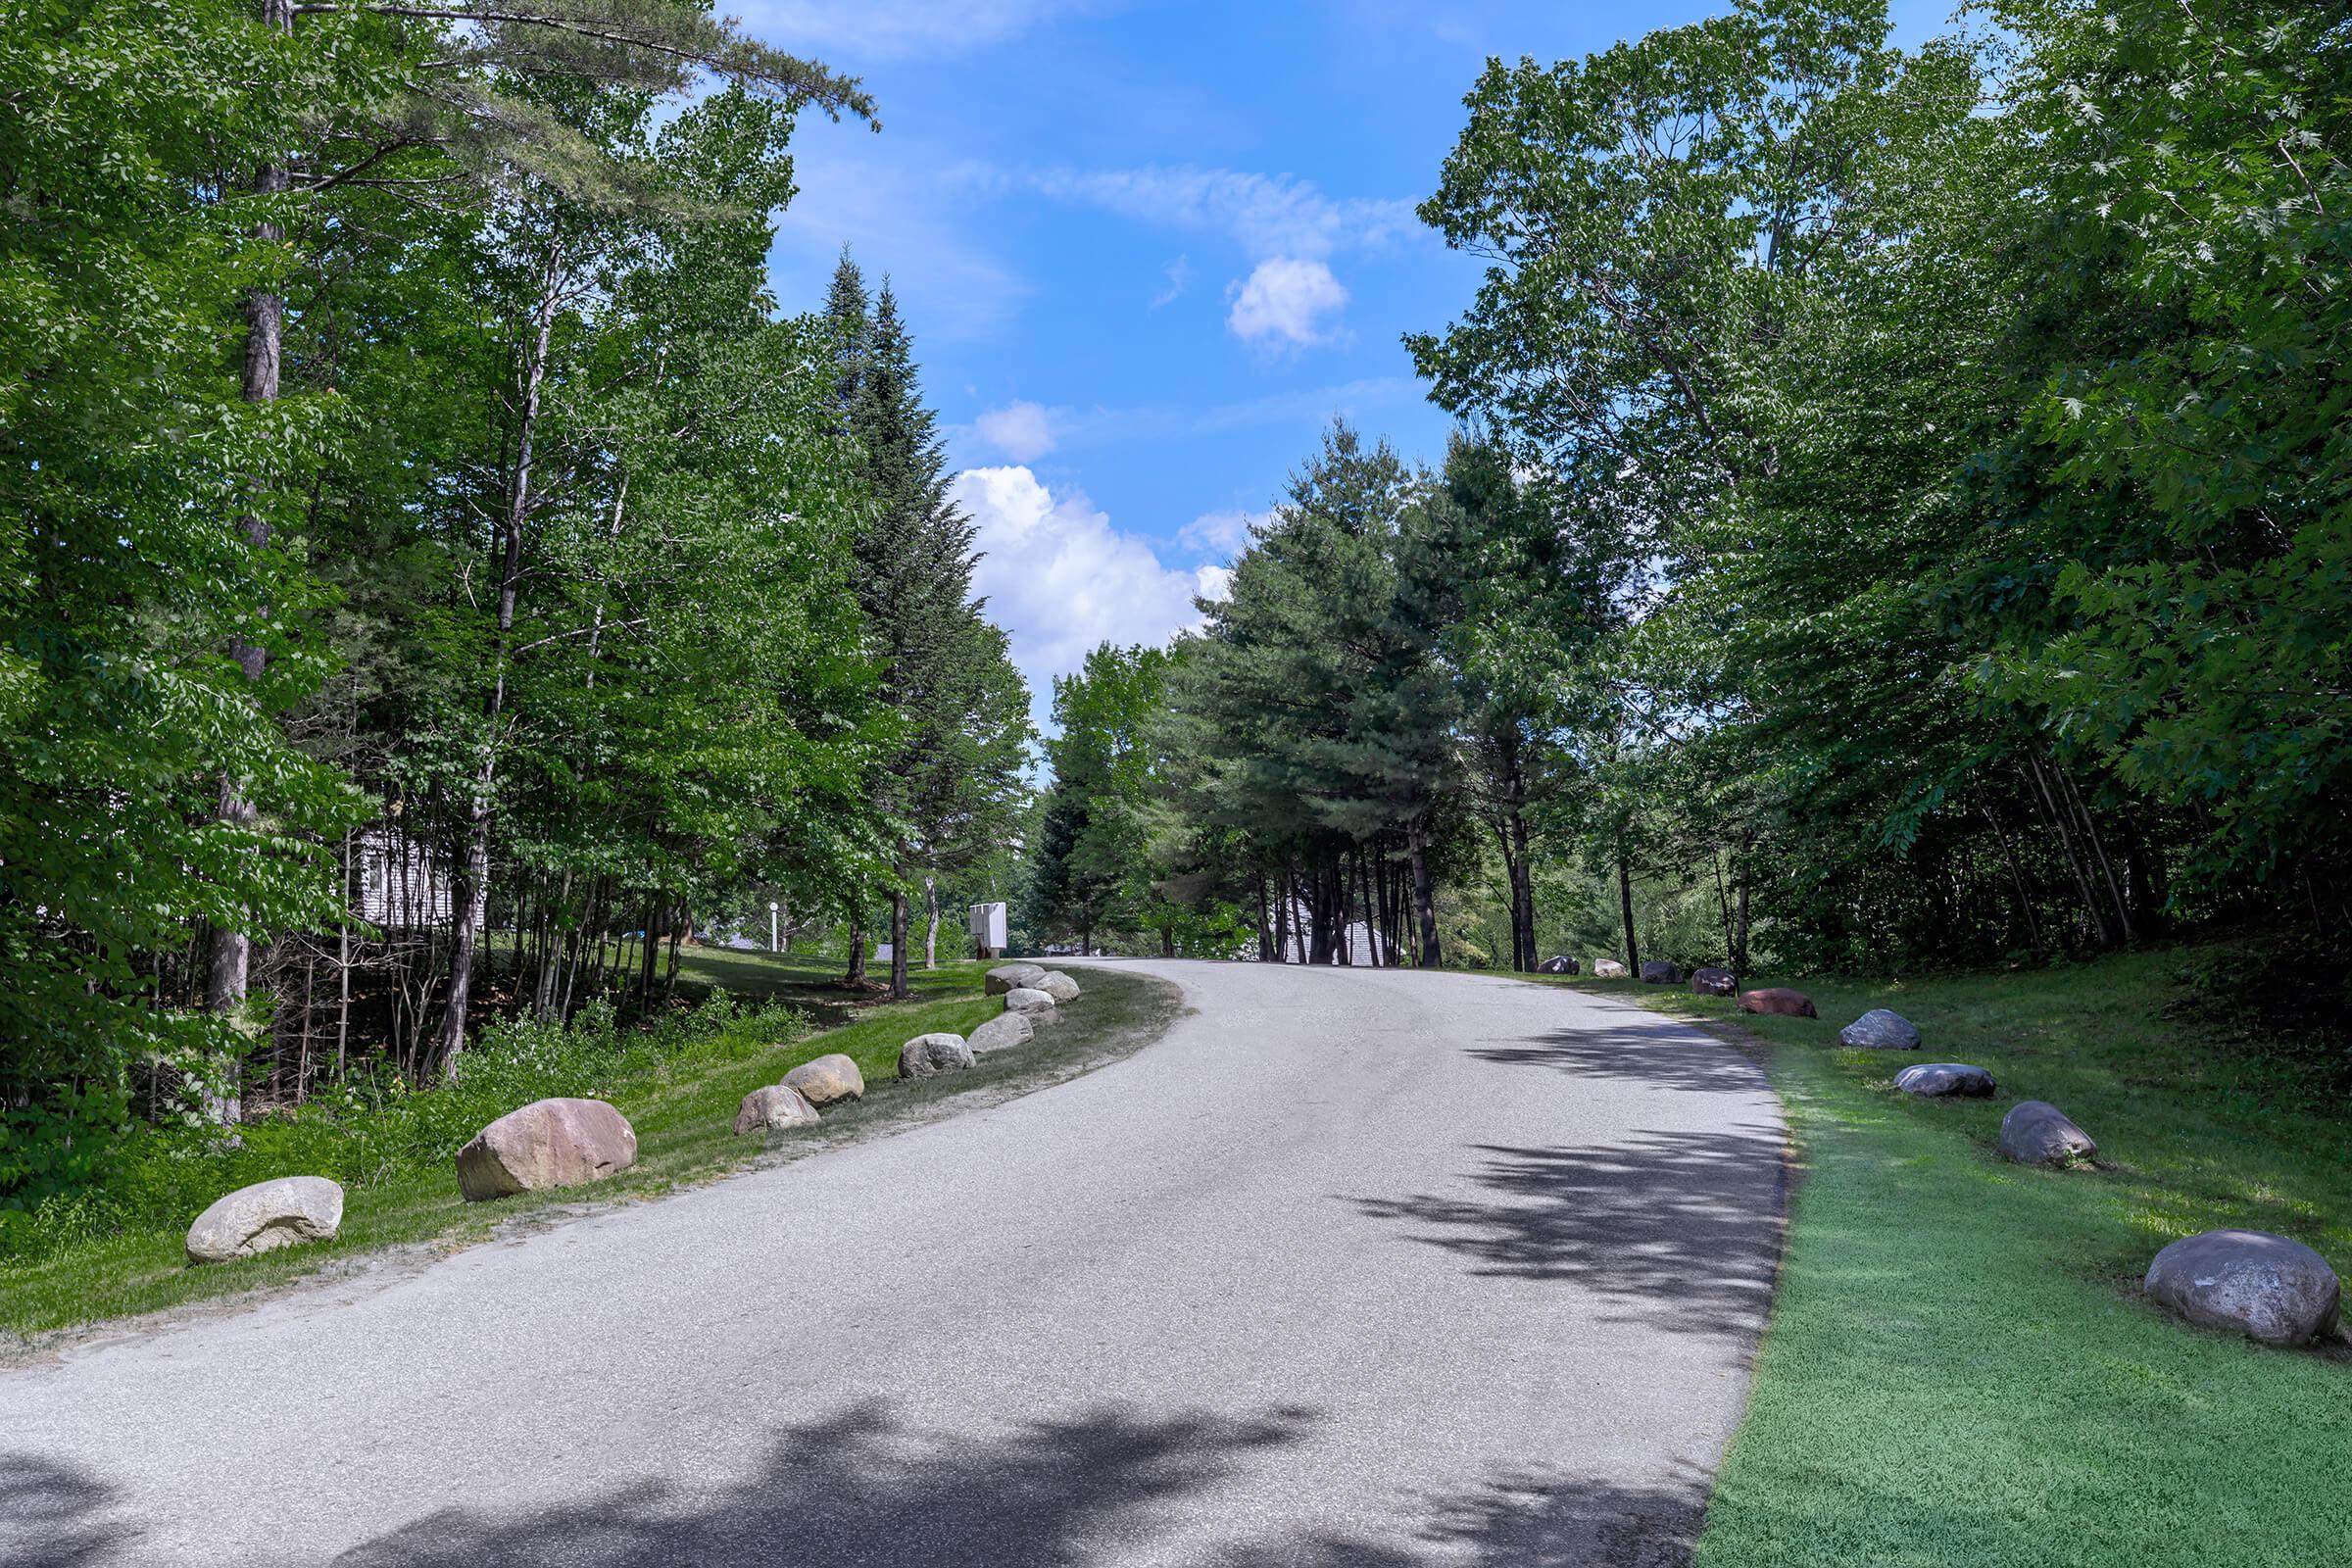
(772, 925)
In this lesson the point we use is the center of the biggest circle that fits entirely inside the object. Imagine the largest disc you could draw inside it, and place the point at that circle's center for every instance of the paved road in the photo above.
(1354, 1267)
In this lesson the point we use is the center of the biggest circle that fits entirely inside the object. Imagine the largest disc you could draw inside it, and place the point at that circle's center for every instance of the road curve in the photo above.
(1359, 1267)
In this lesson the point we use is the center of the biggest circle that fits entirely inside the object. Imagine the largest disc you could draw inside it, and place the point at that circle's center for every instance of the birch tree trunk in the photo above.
(472, 880)
(229, 962)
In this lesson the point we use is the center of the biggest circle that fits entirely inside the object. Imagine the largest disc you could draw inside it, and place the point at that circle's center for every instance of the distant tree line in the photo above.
(420, 508)
(1902, 515)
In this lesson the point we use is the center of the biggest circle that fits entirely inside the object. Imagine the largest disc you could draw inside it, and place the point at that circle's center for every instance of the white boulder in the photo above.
(772, 1109)
(548, 1143)
(266, 1216)
(1002, 1033)
(928, 1055)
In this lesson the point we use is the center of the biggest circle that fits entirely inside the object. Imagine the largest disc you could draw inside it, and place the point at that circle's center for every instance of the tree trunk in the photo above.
(856, 974)
(1523, 894)
(2098, 848)
(931, 933)
(899, 990)
(474, 880)
(1265, 930)
(1425, 899)
(230, 959)
(2076, 864)
(1281, 918)
(1625, 908)
(649, 951)
(1740, 930)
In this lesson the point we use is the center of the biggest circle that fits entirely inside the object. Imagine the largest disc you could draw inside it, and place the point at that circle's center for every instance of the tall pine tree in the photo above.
(954, 774)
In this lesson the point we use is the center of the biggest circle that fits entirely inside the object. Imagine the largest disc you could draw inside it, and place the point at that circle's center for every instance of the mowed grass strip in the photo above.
(1959, 1368)
(683, 1112)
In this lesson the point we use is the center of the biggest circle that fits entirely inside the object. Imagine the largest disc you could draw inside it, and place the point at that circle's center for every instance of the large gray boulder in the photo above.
(2276, 1290)
(266, 1216)
(2037, 1133)
(1558, 966)
(1011, 977)
(826, 1079)
(548, 1143)
(1609, 969)
(1937, 1079)
(1880, 1030)
(1713, 981)
(1034, 1004)
(1003, 1032)
(928, 1055)
(772, 1109)
(1658, 972)
(1060, 987)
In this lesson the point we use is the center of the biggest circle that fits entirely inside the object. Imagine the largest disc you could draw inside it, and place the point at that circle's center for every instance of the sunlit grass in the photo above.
(683, 1109)
(1959, 1370)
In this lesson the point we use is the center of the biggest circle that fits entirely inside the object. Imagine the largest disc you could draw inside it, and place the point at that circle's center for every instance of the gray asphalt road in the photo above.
(1354, 1267)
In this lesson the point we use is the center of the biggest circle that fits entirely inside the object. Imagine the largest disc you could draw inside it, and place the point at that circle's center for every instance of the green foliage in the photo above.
(1095, 867)
(379, 1128)
(951, 778)
(129, 467)
(522, 546)
(1979, 472)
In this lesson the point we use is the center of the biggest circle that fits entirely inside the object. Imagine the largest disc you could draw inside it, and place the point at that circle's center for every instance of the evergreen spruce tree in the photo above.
(963, 731)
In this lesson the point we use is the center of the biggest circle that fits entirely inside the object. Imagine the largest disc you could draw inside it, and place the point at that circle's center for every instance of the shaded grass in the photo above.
(811, 981)
(683, 1110)
(1959, 1368)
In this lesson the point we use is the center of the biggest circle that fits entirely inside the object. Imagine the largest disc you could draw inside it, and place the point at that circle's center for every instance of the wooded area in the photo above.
(1902, 518)
(443, 576)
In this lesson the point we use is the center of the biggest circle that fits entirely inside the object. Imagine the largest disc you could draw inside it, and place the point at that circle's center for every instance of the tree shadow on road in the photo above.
(50, 1514)
(864, 1491)
(1683, 1226)
(1530, 1519)
(1669, 1055)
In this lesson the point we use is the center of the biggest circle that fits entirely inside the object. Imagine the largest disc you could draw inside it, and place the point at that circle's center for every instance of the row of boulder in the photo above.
(2271, 1288)
(568, 1142)
(1706, 982)
(1033, 999)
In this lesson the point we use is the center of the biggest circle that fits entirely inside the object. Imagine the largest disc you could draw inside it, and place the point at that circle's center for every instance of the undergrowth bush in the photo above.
(377, 1127)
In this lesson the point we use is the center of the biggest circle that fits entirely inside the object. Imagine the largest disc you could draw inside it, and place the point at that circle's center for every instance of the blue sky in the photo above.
(1148, 251)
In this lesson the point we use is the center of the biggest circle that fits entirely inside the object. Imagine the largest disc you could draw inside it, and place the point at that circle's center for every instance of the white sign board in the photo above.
(988, 925)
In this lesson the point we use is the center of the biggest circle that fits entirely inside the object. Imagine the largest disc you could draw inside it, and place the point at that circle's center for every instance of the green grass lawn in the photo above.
(1959, 1368)
(683, 1110)
(807, 980)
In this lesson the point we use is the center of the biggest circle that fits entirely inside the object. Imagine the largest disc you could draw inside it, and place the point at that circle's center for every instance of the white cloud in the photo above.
(1265, 214)
(898, 218)
(1061, 580)
(1217, 533)
(1213, 582)
(1180, 275)
(1022, 431)
(1075, 429)
(1284, 302)
(895, 28)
